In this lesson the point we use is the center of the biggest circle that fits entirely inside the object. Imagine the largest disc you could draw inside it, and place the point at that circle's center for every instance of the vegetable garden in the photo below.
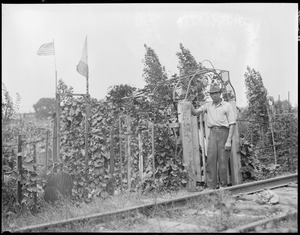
(152, 111)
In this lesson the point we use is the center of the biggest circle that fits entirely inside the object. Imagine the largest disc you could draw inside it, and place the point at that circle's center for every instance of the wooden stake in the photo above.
(140, 158)
(272, 133)
(153, 153)
(46, 164)
(54, 139)
(58, 127)
(202, 147)
(120, 146)
(35, 174)
(87, 114)
(19, 167)
(112, 161)
(128, 152)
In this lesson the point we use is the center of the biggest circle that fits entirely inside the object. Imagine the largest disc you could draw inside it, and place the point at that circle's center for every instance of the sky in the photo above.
(232, 36)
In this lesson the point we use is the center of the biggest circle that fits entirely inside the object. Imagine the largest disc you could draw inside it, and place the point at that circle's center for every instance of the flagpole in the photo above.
(87, 117)
(55, 68)
(57, 97)
(87, 77)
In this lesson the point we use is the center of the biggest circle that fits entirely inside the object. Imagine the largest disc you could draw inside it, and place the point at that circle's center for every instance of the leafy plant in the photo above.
(44, 108)
(9, 107)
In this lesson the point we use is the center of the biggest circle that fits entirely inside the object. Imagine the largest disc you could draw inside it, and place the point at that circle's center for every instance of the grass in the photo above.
(66, 209)
(213, 213)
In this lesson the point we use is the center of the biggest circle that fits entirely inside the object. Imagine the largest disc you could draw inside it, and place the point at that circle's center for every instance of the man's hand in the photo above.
(193, 111)
(228, 145)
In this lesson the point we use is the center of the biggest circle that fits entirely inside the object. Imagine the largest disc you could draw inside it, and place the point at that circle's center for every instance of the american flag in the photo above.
(46, 49)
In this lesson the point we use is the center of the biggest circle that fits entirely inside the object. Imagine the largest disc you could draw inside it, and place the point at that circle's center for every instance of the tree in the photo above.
(187, 62)
(257, 97)
(9, 107)
(188, 66)
(156, 77)
(117, 93)
(154, 72)
(44, 108)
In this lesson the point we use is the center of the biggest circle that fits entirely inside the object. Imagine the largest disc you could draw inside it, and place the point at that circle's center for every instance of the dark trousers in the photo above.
(217, 157)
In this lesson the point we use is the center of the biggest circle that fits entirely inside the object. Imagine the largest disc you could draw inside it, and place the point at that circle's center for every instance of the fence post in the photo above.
(153, 153)
(121, 161)
(128, 152)
(35, 174)
(58, 127)
(203, 148)
(19, 167)
(54, 139)
(112, 161)
(141, 165)
(272, 133)
(46, 165)
(87, 114)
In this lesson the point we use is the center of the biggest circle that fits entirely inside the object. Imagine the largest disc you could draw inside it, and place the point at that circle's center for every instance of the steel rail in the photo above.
(179, 201)
(253, 225)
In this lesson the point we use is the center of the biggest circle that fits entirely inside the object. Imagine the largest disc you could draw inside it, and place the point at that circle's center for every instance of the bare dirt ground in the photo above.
(215, 214)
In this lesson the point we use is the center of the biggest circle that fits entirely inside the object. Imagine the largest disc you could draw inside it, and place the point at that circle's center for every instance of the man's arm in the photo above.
(197, 111)
(229, 138)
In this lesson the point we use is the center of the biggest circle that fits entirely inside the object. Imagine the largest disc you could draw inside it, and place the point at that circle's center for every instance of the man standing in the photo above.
(221, 121)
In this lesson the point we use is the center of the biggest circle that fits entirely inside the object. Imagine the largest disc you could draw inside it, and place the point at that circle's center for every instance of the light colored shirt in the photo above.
(218, 115)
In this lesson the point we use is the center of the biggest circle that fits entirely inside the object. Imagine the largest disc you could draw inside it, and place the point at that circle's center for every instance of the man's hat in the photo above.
(214, 88)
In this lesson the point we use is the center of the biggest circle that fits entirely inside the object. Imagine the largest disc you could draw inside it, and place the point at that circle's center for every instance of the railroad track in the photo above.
(252, 226)
(245, 188)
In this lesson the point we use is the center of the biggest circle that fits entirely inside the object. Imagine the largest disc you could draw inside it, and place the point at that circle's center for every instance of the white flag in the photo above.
(83, 67)
(46, 49)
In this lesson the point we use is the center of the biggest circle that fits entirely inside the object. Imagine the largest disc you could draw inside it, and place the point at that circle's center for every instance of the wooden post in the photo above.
(54, 139)
(87, 115)
(58, 127)
(86, 152)
(203, 147)
(46, 165)
(235, 157)
(207, 132)
(127, 121)
(196, 152)
(112, 161)
(121, 161)
(35, 175)
(272, 133)
(19, 167)
(184, 112)
(140, 158)
(153, 152)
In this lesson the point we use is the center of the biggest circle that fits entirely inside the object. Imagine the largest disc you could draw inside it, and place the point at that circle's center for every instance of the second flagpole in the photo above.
(57, 97)
(86, 119)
